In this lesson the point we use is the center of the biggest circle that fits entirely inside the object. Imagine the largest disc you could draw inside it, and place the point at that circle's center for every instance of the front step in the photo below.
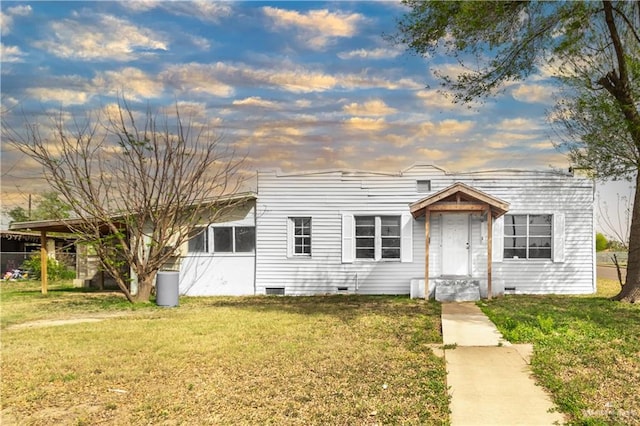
(457, 290)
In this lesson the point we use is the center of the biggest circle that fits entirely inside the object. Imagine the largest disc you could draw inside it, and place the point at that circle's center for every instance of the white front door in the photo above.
(455, 244)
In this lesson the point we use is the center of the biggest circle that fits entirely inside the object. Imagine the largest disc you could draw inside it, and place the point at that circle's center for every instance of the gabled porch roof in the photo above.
(459, 197)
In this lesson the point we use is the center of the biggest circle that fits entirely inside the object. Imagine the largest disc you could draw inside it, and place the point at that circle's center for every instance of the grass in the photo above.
(586, 351)
(22, 301)
(257, 360)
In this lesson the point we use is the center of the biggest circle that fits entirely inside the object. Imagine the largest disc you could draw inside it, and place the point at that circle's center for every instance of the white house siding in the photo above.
(327, 196)
(220, 274)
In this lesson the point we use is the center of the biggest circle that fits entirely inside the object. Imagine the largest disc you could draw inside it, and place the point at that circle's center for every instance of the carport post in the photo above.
(44, 256)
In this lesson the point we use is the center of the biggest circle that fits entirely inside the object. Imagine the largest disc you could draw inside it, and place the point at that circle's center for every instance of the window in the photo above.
(423, 186)
(198, 240)
(245, 238)
(390, 232)
(377, 237)
(223, 240)
(300, 236)
(226, 239)
(365, 237)
(528, 236)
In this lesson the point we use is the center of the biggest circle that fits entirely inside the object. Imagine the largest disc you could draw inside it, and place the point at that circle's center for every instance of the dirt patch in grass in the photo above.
(259, 360)
(74, 320)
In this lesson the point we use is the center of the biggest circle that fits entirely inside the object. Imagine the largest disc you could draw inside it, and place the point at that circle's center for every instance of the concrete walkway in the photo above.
(489, 379)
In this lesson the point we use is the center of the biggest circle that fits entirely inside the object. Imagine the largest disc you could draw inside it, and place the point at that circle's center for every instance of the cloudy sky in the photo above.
(295, 85)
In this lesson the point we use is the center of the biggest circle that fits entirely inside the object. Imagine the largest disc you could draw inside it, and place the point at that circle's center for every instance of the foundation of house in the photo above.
(457, 290)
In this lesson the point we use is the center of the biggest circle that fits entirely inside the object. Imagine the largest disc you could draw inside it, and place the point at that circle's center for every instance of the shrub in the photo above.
(601, 242)
(55, 270)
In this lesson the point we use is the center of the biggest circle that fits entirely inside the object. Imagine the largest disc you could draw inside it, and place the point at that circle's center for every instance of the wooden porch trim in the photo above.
(458, 207)
(489, 253)
(427, 232)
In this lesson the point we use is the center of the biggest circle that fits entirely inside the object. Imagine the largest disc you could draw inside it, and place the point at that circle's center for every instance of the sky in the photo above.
(291, 85)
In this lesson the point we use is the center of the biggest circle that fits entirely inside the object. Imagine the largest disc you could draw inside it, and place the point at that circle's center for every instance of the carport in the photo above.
(65, 226)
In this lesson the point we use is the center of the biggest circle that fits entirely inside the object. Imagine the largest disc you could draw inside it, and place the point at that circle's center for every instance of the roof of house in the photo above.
(415, 167)
(67, 225)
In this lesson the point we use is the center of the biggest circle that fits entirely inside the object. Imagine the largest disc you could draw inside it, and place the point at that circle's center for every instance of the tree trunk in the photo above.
(145, 285)
(631, 290)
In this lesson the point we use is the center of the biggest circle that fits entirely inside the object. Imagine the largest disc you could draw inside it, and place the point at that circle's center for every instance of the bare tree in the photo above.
(137, 185)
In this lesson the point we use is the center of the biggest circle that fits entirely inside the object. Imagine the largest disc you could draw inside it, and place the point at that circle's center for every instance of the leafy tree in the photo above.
(18, 214)
(591, 47)
(601, 242)
(136, 188)
(49, 206)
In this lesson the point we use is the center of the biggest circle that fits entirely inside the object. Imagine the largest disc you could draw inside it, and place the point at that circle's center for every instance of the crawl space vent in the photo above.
(274, 291)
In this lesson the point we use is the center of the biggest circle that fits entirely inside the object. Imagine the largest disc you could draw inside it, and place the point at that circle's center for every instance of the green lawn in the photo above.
(292, 360)
(277, 360)
(586, 351)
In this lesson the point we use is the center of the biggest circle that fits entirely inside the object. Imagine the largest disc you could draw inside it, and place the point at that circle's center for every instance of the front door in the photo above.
(455, 244)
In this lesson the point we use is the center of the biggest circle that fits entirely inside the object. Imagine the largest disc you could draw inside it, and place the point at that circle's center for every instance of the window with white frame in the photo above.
(226, 239)
(377, 237)
(300, 236)
(365, 237)
(528, 236)
(244, 239)
(223, 239)
(390, 237)
(234, 239)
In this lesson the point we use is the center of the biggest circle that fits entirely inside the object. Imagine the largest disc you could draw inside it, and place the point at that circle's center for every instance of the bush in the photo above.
(55, 270)
(601, 242)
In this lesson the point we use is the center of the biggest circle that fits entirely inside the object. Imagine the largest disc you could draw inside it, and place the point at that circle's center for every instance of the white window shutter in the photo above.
(497, 253)
(406, 238)
(289, 237)
(558, 237)
(348, 239)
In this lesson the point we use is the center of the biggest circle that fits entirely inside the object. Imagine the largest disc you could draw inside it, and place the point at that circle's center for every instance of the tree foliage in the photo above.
(592, 48)
(48, 206)
(18, 214)
(137, 184)
(601, 242)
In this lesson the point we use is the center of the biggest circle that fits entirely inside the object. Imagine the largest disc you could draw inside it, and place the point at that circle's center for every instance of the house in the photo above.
(466, 235)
